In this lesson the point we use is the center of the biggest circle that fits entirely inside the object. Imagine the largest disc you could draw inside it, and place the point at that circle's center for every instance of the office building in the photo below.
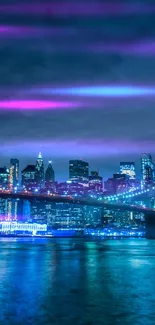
(128, 168)
(147, 168)
(14, 173)
(78, 170)
(22, 227)
(4, 178)
(26, 215)
(118, 183)
(95, 182)
(49, 177)
(39, 171)
(3, 209)
(28, 177)
(71, 188)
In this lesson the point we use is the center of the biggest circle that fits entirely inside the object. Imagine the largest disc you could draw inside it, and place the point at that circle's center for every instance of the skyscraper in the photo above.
(128, 168)
(147, 168)
(78, 170)
(28, 177)
(95, 182)
(116, 184)
(39, 171)
(49, 176)
(4, 178)
(14, 173)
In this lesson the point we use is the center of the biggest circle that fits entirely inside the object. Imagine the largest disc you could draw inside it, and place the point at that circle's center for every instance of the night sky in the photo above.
(77, 80)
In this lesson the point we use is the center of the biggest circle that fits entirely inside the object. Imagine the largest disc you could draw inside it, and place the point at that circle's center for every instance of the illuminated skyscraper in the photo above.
(116, 184)
(14, 173)
(128, 168)
(78, 170)
(147, 168)
(49, 176)
(4, 178)
(95, 182)
(39, 171)
(28, 177)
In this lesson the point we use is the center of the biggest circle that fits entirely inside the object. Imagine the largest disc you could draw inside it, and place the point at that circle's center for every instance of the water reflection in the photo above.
(72, 281)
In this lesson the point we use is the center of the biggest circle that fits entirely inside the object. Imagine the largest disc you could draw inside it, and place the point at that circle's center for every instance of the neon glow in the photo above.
(35, 105)
(100, 91)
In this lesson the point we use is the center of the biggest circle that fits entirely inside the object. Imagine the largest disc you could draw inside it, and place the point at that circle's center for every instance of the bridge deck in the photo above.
(81, 201)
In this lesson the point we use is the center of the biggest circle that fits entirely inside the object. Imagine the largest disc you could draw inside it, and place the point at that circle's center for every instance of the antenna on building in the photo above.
(40, 155)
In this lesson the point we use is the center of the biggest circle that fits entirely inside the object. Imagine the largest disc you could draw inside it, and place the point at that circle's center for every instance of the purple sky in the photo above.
(77, 80)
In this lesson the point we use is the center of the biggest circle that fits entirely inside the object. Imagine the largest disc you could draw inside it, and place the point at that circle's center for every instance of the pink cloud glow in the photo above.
(35, 105)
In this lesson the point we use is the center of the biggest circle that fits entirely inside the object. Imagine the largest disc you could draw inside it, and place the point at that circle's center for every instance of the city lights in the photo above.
(125, 195)
(18, 227)
(77, 202)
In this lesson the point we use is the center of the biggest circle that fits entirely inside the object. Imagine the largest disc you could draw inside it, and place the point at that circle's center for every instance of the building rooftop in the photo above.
(4, 170)
(29, 168)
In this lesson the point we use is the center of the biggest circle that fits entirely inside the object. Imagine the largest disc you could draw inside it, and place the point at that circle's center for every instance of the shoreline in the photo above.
(75, 237)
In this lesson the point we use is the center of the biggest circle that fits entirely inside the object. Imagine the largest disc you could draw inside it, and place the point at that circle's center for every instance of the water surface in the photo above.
(72, 281)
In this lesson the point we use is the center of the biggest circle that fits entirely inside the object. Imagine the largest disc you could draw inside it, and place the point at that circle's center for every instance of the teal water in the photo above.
(72, 281)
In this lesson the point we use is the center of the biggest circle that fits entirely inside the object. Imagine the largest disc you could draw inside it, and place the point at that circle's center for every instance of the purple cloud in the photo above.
(141, 47)
(30, 31)
(67, 8)
(74, 149)
(133, 48)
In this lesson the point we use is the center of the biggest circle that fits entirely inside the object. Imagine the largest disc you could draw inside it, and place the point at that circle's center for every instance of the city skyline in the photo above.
(46, 162)
(77, 162)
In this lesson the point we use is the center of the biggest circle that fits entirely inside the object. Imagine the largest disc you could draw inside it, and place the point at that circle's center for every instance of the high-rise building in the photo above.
(95, 182)
(78, 170)
(147, 168)
(75, 189)
(4, 178)
(116, 184)
(121, 181)
(49, 176)
(39, 171)
(28, 177)
(26, 210)
(128, 168)
(14, 173)
(3, 209)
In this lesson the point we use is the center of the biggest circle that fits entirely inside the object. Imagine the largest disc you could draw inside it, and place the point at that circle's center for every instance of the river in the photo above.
(77, 282)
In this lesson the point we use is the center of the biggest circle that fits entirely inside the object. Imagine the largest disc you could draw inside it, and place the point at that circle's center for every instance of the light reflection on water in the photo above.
(75, 281)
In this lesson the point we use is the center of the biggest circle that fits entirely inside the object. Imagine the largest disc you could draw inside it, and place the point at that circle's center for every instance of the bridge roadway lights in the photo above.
(150, 225)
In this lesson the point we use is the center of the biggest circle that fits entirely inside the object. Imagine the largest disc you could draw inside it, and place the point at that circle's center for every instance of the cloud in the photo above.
(101, 91)
(86, 45)
(76, 8)
(35, 105)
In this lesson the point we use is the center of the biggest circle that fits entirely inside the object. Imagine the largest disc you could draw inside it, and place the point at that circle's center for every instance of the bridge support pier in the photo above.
(150, 225)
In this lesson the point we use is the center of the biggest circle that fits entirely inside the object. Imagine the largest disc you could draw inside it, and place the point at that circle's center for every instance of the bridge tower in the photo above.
(150, 225)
